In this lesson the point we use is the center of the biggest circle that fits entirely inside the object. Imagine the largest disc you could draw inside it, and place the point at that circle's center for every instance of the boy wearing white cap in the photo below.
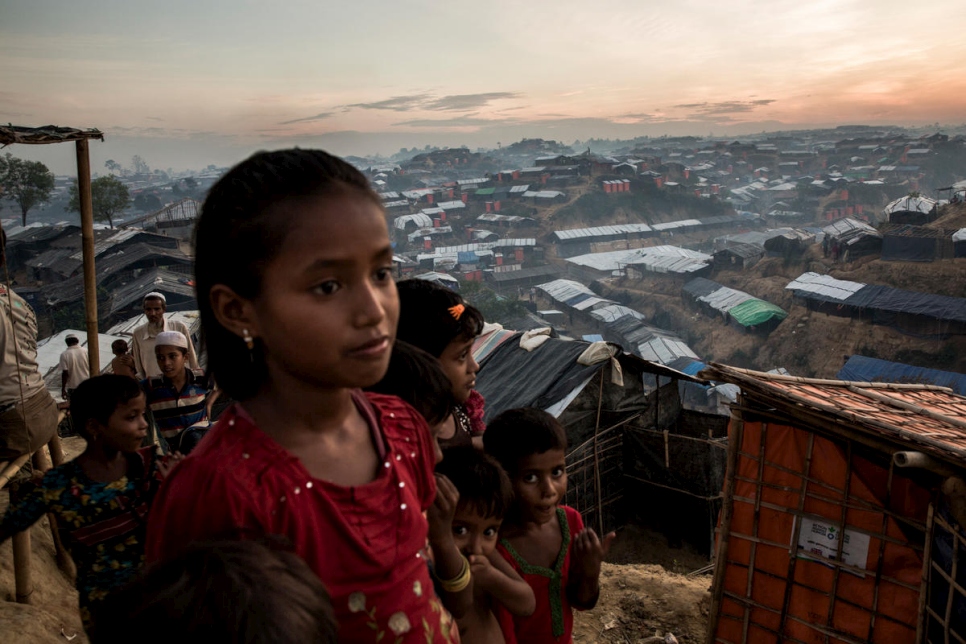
(178, 397)
(144, 337)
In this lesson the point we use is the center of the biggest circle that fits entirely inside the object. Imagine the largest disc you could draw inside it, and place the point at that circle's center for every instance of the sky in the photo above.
(186, 84)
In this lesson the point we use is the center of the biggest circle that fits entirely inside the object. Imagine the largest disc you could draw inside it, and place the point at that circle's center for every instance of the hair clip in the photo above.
(456, 311)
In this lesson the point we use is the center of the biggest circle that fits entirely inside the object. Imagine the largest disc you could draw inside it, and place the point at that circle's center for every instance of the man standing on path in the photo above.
(143, 338)
(74, 367)
(28, 413)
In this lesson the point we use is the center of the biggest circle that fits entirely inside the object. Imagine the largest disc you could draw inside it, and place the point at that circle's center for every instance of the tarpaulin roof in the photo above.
(924, 205)
(615, 312)
(754, 312)
(823, 287)
(512, 377)
(865, 369)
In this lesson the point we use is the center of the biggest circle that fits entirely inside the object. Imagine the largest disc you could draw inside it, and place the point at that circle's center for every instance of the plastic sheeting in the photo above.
(755, 312)
(865, 369)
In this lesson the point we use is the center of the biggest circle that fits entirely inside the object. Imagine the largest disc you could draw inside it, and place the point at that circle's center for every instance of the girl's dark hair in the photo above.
(518, 433)
(483, 485)
(242, 226)
(426, 321)
(96, 398)
(418, 378)
(247, 592)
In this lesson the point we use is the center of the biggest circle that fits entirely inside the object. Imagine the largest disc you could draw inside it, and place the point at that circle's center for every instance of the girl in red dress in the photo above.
(544, 542)
(299, 310)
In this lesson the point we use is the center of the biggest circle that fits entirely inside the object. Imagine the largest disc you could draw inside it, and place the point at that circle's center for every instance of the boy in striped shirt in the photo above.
(178, 397)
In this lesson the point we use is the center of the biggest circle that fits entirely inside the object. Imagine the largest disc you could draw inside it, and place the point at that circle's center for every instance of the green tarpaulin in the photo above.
(755, 312)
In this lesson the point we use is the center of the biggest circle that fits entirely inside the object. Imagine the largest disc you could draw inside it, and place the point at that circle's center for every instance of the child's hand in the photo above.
(441, 512)
(484, 574)
(168, 463)
(589, 551)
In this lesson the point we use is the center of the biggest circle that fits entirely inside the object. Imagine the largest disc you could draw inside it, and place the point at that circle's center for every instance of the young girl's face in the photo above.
(540, 484)
(327, 311)
(170, 359)
(460, 367)
(475, 534)
(126, 427)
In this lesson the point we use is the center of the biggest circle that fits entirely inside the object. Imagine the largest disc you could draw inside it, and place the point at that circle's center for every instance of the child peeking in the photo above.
(179, 398)
(543, 541)
(293, 267)
(438, 321)
(101, 498)
(485, 495)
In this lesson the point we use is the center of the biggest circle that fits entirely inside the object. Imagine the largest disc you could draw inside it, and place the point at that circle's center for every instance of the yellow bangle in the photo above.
(459, 582)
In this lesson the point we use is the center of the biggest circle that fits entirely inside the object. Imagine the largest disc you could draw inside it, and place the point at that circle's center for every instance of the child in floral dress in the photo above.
(101, 498)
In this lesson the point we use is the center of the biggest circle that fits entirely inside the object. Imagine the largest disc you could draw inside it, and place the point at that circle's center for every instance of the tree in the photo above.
(140, 165)
(113, 166)
(109, 197)
(147, 202)
(29, 183)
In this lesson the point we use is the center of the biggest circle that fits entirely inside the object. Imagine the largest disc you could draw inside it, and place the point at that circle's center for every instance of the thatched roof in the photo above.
(10, 134)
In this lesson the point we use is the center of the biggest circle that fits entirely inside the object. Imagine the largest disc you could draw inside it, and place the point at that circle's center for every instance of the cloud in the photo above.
(432, 103)
(396, 103)
(317, 117)
(467, 102)
(154, 118)
(458, 121)
(725, 107)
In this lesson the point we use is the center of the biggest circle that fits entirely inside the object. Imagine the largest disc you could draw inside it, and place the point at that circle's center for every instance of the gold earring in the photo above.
(249, 340)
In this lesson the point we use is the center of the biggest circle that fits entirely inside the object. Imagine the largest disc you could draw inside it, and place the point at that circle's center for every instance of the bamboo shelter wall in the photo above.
(786, 482)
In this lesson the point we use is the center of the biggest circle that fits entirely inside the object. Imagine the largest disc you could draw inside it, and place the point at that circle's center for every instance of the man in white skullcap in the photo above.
(144, 337)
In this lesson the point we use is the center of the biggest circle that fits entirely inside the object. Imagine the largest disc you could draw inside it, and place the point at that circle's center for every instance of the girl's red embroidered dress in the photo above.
(553, 620)
(364, 542)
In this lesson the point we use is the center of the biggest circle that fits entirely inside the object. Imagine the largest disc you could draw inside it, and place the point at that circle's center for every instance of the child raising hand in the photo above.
(298, 309)
(542, 540)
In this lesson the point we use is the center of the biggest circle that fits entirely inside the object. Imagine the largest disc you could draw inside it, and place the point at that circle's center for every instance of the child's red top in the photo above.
(553, 620)
(364, 542)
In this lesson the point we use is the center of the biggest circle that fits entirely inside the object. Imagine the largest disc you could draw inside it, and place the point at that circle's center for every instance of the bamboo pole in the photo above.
(21, 567)
(9, 468)
(87, 235)
(600, 505)
(727, 510)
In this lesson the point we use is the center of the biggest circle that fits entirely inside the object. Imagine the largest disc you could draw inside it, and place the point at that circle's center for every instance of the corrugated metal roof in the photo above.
(520, 189)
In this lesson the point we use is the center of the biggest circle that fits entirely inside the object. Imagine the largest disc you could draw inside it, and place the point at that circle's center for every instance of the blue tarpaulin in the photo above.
(863, 369)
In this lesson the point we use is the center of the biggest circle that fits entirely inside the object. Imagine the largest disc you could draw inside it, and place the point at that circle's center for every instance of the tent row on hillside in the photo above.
(750, 313)
(909, 312)
(617, 232)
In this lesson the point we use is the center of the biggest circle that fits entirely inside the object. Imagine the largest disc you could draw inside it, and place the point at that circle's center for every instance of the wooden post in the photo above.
(87, 236)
